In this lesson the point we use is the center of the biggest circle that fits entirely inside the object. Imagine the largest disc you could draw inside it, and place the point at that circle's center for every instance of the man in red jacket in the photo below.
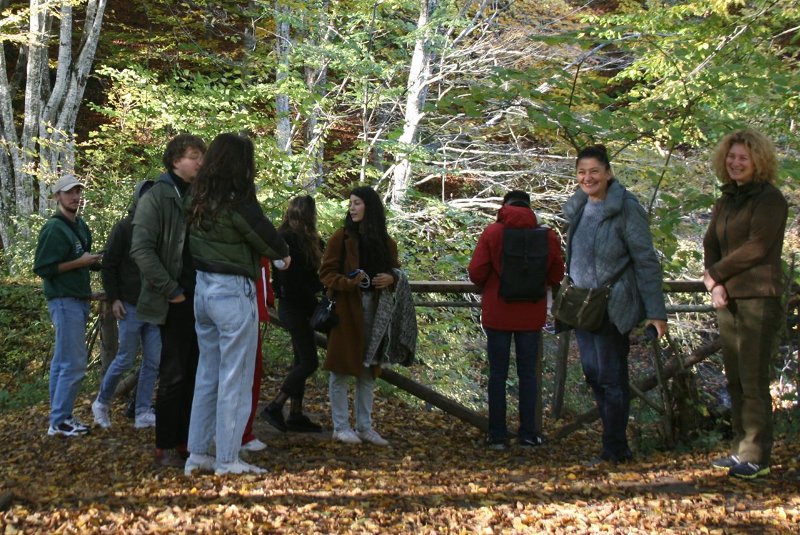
(503, 318)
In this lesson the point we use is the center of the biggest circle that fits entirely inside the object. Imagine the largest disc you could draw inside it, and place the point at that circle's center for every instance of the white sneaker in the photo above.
(254, 445)
(198, 461)
(348, 436)
(146, 419)
(237, 467)
(372, 437)
(100, 411)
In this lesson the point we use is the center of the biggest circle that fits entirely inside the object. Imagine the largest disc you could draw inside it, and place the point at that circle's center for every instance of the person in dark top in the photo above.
(63, 259)
(122, 284)
(160, 247)
(744, 275)
(297, 289)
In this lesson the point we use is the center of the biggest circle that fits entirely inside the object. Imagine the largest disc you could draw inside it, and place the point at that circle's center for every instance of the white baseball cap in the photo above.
(66, 183)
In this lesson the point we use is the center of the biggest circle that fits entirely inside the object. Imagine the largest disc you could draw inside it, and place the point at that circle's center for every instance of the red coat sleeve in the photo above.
(264, 295)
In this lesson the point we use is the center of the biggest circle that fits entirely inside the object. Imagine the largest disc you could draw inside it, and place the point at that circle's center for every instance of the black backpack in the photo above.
(522, 276)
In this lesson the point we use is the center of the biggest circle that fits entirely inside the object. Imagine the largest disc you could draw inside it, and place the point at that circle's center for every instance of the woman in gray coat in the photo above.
(609, 242)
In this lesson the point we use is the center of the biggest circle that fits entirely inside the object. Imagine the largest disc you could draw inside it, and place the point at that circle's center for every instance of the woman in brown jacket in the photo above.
(356, 267)
(743, 273)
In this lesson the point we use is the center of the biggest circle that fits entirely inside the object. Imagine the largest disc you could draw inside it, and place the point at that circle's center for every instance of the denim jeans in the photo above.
(365, 394)
(604, 357)
(498, 345)
(749, 332)
(69, 316)
(132, 331)
(227, 334)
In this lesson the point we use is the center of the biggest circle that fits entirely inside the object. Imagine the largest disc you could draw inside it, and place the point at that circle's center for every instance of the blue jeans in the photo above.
(604, 357)
(365, 395)
(68, 367)
(226, 320)
(131, 332)
(498, 344)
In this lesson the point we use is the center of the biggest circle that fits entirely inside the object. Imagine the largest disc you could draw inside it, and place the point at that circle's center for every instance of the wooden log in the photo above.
(560, 379)
(670, 369)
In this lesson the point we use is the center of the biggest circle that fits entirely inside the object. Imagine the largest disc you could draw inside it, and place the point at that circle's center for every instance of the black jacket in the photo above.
(300, 283)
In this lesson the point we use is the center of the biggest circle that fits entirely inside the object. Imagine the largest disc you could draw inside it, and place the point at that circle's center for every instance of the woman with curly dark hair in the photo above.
(359, 264)
(228, 235)
(296, 289)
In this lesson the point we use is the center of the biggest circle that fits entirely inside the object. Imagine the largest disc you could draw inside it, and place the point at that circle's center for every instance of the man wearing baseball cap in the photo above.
(63, 258)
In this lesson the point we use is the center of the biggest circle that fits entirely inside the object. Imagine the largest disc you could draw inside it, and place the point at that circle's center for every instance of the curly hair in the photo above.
(761, 149)
(178, 146)
(301, 219)
(226, 179)
(372, 228)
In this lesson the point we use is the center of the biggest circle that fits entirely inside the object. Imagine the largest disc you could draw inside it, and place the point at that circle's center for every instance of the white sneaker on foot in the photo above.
(348, 436)
(372, 437)
(237, 467)
(254, 445)
(198, 461)
(145, 419)
(100, 412)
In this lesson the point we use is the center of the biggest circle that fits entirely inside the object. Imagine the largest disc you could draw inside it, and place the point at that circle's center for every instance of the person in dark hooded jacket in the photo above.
(122, 283)
(503, 319)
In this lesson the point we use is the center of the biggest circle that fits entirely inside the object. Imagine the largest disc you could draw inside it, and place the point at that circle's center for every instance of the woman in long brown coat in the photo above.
(356, 267)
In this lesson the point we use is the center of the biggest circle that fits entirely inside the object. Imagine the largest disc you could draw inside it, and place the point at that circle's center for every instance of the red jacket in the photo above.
(264, 295)
(484, 270)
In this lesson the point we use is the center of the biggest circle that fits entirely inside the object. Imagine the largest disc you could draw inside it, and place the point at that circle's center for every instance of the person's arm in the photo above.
(712, 250)
(144, 247)
(55, 244)
(480, 265)
(332, 261)
(647, 270)
(260, 233)
(116, 249)
(555, 260)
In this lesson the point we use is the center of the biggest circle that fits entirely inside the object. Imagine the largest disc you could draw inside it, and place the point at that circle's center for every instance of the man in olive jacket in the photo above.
(160, 247)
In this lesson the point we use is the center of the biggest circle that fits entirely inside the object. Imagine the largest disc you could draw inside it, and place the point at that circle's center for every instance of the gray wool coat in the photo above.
(623, 237)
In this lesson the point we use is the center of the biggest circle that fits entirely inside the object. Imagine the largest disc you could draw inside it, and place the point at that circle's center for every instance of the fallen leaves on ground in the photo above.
(436, 477)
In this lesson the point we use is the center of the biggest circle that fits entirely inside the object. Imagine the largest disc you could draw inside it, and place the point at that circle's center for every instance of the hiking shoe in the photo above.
(146, 419)
(301, 424)
(274, 415)
(532, 442)
(372, 437)
(198, 461)
(170, 458)
(496, 444)
(100, 412)
(348, 436)
(725, 463)
(748, 470)
(253, 445)
(237, 467)
(68, 429)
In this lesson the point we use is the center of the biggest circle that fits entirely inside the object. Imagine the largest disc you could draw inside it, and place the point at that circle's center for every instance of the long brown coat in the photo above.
(346, 341)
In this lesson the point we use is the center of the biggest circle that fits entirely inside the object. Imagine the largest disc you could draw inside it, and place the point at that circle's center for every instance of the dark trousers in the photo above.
(749, 332)
(176, 373)
(604, 357)
(306, 360)
(498, 345)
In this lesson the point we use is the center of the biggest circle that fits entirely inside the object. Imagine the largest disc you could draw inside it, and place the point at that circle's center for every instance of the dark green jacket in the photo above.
(235, 241)
(62, 241)
(744, 240)
(159, 236)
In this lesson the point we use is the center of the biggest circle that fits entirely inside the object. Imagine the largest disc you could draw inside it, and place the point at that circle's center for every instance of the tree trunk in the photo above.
(316, 76)
(44, 148)
(283, 128)
(417, 89)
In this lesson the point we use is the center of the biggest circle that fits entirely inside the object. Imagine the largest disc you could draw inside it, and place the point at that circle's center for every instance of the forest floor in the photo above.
(437, 476)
